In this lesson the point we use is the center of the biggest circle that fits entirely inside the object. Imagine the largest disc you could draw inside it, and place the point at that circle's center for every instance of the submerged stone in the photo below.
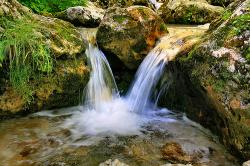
(173, 153)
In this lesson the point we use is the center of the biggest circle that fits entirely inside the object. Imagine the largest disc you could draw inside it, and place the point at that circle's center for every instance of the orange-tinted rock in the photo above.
(129, 33)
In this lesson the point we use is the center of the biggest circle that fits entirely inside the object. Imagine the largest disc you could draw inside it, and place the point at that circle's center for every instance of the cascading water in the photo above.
(104, 111)
(147, 76)
(101, 86)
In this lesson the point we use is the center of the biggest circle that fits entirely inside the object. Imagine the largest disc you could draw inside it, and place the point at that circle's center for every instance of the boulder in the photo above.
(211, 83)
(12, 8)
(86, 16)
(189, 11)
(64, 84)
(129, 33)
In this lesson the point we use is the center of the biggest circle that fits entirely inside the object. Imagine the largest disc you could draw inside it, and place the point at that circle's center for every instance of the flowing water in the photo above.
(108, 126)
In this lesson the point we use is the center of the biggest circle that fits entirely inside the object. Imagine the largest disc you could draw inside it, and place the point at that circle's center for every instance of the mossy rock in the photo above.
(189, 12)
(129, 33)
(59, 86)
(211, 83)
(62, 88)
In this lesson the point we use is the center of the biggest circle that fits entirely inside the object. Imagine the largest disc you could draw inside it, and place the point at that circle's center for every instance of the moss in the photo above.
(120, 19)
(163, 27)
(226, 14)
(26, 53)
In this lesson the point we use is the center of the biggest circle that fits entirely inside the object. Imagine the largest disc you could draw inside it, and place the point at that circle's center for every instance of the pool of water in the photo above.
(43, 139)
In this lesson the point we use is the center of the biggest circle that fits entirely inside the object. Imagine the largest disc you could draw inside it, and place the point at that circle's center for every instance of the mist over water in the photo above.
(104, 111)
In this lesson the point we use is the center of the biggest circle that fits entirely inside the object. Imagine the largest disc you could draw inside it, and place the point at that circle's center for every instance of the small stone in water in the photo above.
(111, 162)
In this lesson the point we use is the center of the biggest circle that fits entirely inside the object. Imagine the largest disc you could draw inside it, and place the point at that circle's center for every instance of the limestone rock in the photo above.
(189, 11)
(212, 81)
(86, 16)
(129, 33)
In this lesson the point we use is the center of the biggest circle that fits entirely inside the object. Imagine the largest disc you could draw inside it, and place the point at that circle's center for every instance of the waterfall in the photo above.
(104, 111)
(147, 76)
(101, 86)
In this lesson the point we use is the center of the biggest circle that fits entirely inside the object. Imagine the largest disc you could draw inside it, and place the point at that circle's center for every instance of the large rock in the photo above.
(12, 8)
(212, 82)
(86, 16)
(189, 11)
(129, 33)
(60, 88)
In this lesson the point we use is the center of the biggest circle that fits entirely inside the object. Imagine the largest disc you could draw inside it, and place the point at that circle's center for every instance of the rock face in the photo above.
(129, 33)
(89, 16)
(62, 87)
(189, 11)
(212, 82)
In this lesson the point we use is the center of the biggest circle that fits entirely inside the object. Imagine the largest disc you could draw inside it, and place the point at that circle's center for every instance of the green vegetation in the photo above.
(25, 52)
(226, 14)
(120, 19)
(51, 6)
(241, 23)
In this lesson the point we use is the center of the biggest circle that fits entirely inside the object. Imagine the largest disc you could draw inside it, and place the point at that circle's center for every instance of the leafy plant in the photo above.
(51, 6)
(26, 54)
(241, 23)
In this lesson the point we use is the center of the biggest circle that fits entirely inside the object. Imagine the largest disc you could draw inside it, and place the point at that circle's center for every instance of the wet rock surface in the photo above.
(129, 33)
(173, 153)
(212, 82)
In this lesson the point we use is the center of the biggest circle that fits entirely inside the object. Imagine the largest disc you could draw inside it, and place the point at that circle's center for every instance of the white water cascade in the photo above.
(104, 111)
(147, 76)
(101, 86)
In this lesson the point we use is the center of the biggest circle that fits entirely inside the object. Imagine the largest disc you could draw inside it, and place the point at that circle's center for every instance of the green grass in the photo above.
(51, 6)
(23, 49)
